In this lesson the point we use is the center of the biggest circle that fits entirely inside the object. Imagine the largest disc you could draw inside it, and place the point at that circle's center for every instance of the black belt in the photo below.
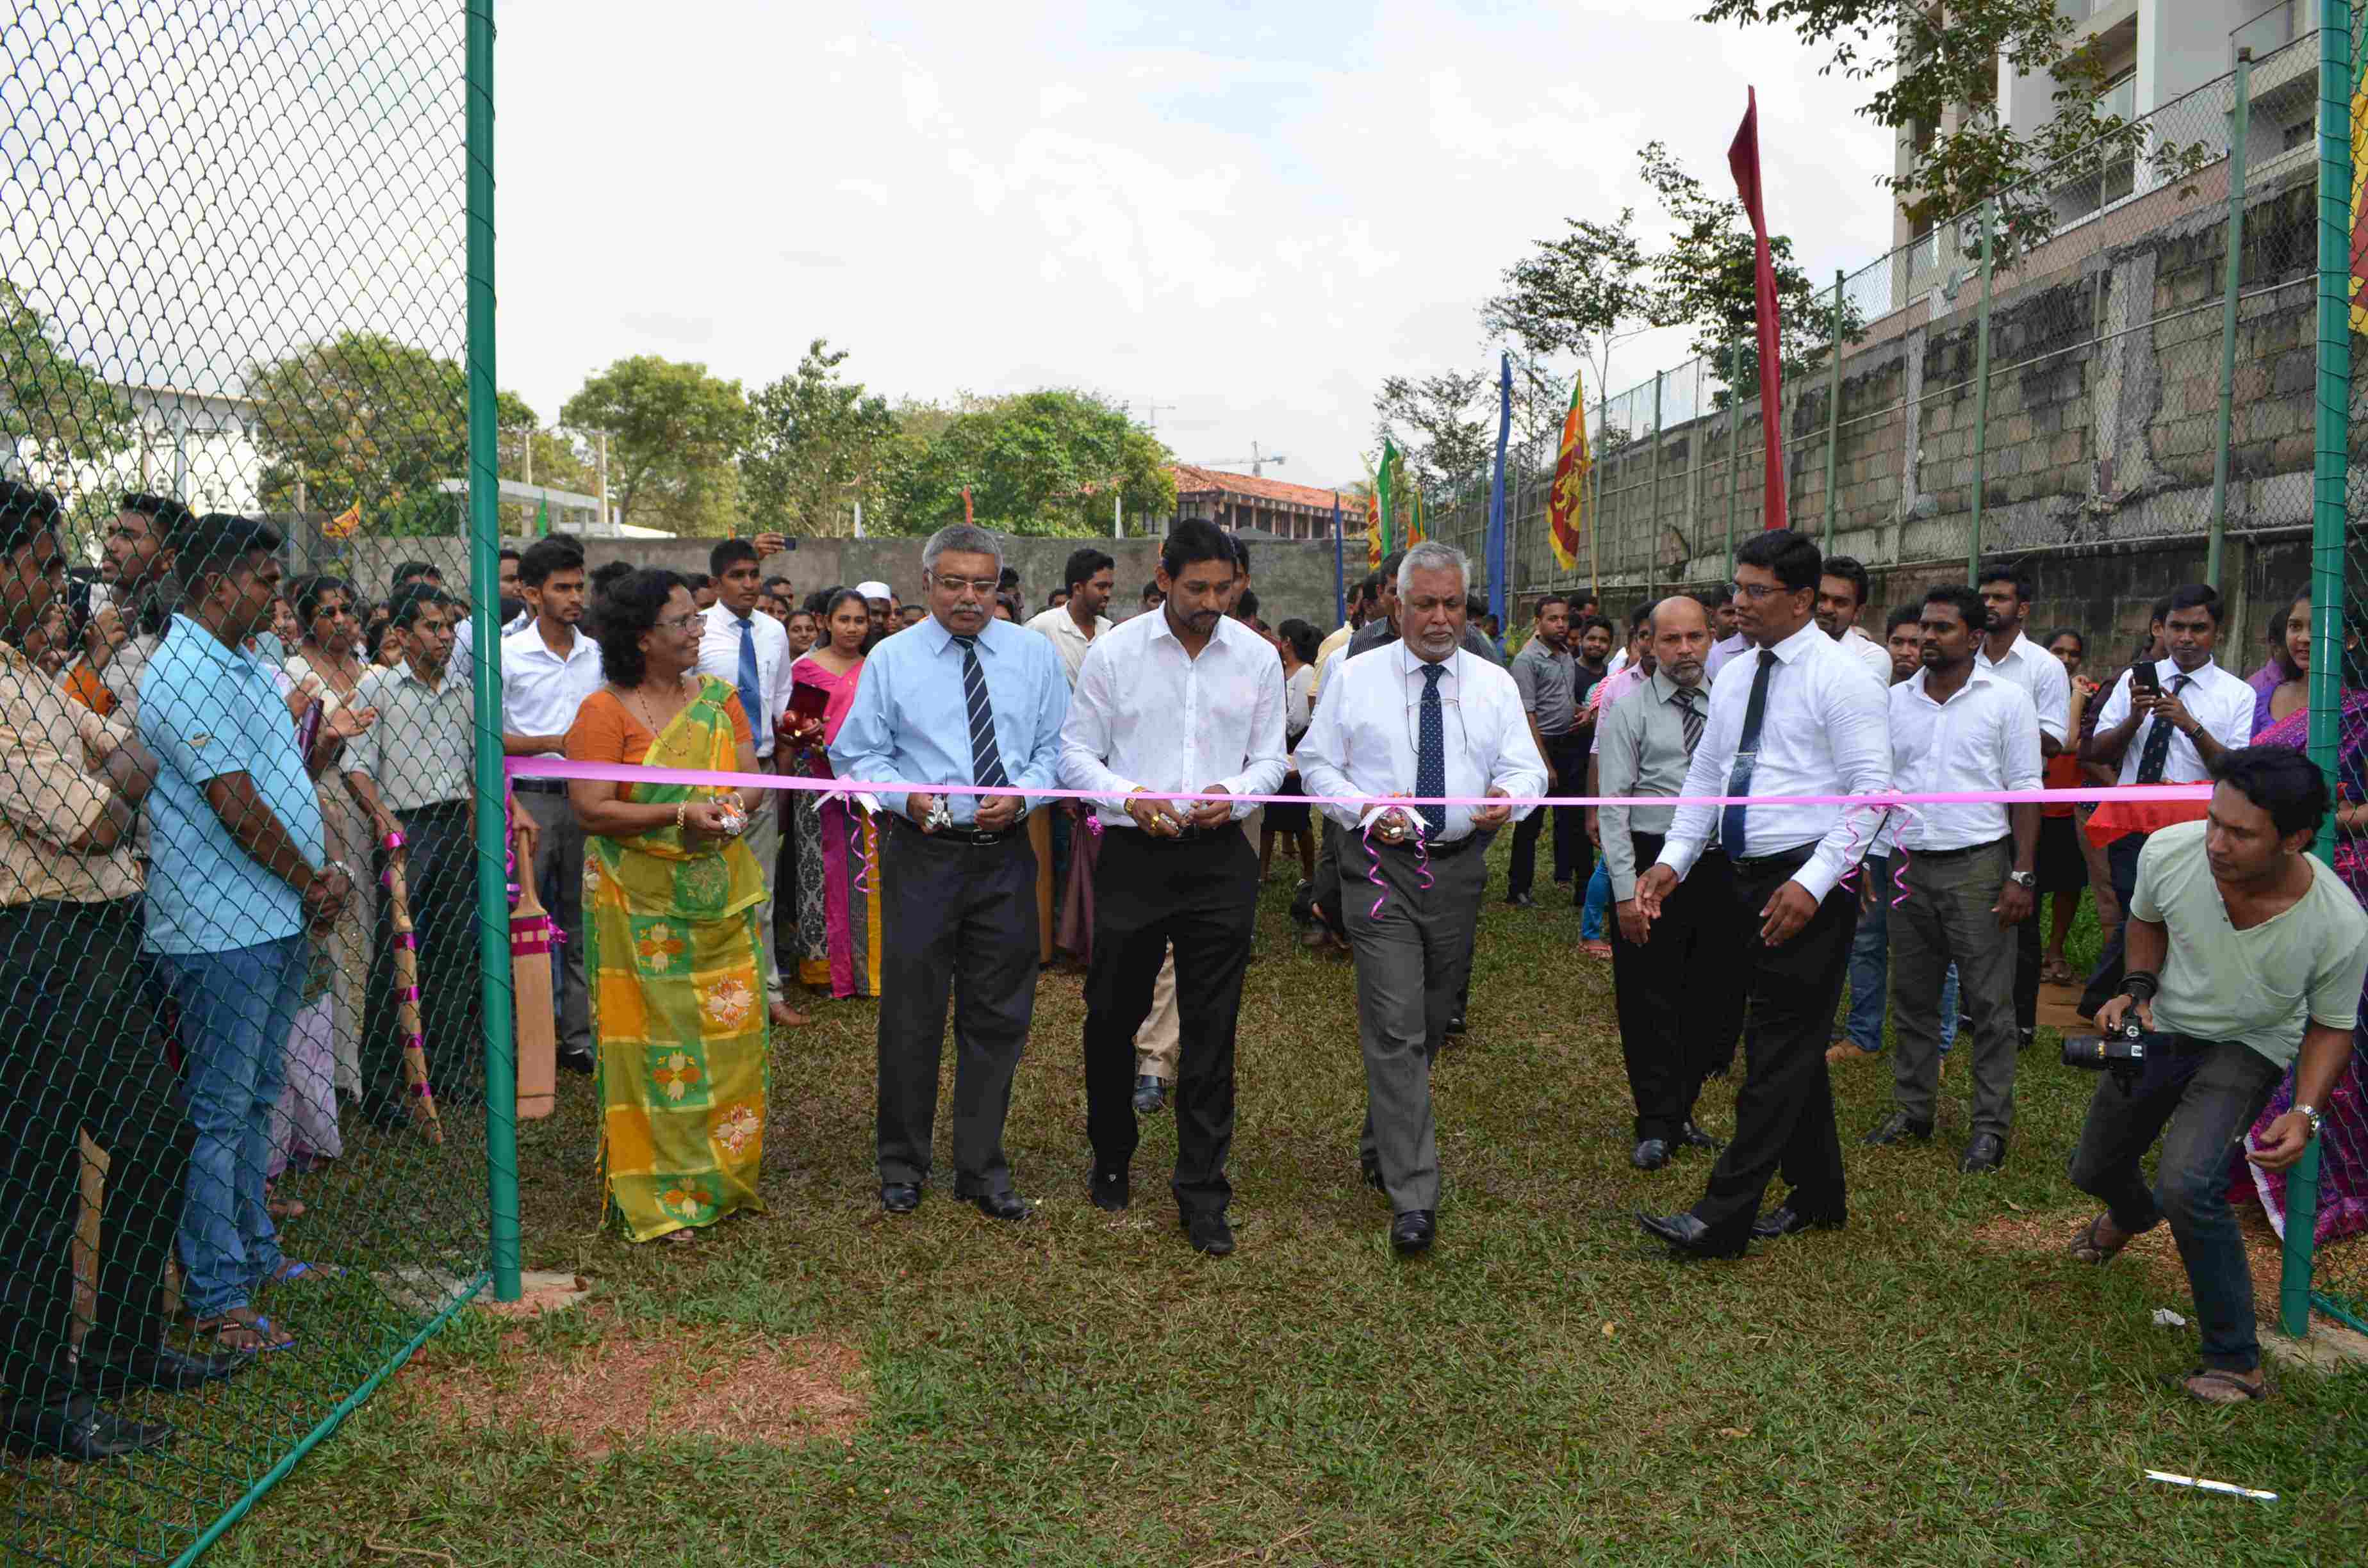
(1782, 859)
(962, 834)
(1182, 835)
(1915, 854)
(1443, 851)
(540, 785)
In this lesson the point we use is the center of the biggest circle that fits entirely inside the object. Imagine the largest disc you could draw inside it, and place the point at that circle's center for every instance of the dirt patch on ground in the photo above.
(2048, 1232)
(621, 1390)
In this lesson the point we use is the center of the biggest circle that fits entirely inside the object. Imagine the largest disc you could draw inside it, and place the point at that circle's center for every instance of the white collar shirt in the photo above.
(1870, 653)
(1362, 742)
(1146, 715)
(2042, 677)
(719, 655)
(1722, 652)
(540, 690)
(1068, 639)
(464, 642)
(2216, 699)
(1823, 731)
(1983, 738)
(422, 750)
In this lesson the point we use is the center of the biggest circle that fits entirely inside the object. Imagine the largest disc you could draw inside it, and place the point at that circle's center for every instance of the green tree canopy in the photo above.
(674, 437)
(1040, 463)
(1445, 445)
(61, 412)
(818, 443)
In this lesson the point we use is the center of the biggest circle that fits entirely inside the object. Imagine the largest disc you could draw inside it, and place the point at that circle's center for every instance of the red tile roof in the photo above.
(1191, 481)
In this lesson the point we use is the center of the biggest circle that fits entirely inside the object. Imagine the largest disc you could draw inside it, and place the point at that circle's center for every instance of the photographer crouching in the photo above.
(2245, 952)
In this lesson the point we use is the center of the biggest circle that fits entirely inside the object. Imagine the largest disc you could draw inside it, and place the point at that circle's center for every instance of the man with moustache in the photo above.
(130, 608)
(1842, 599)
(1423, 717)
(2006, 653)
(1545, 672)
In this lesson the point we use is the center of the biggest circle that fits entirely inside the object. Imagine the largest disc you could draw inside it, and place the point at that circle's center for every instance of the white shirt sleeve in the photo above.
(1856, 718)
(2051, 697)
(1324, 750)
(1264, 762)
(2020, 762)
(1086, 734)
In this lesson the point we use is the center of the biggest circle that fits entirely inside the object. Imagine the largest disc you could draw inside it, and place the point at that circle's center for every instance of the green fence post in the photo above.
(1834, 413)
(1981, 402)
(1652, 514)
(1602, 462)
(1734, 435)
(2240, 129)
(484, 571)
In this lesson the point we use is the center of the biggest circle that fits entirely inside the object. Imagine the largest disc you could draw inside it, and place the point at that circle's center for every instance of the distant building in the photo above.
(1241, 502)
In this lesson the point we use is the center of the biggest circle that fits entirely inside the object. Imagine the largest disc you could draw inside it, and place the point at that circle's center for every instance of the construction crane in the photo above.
(1258, 459)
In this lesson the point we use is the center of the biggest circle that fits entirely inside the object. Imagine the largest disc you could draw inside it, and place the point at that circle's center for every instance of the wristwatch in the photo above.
(2310, 1114)
(2023, 879)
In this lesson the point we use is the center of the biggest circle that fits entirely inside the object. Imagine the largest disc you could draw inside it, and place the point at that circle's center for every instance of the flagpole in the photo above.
(1496, 564)
(1339, 567)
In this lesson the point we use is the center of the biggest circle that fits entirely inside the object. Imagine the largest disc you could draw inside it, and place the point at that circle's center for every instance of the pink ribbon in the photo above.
(408, 939)
(1422, 834)
(407, 993)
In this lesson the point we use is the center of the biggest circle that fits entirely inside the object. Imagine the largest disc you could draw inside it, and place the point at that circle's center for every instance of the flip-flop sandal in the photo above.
(2088, 1249)
(290, 1271)
(284, 1208)
(241, 1332)
(2220, 1378)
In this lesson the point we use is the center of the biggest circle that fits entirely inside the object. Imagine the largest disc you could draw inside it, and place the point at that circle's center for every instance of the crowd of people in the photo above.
(221, 780)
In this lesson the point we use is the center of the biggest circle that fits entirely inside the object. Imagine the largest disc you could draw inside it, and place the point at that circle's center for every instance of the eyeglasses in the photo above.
(679, 622)
(1756, 592)
(984, 588)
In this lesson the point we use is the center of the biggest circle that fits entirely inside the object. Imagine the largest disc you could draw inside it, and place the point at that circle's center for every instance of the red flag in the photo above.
(1743, 160)
(966, 516)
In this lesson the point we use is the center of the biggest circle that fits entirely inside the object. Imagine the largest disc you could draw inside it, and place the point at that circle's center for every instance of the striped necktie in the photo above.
(985, 761)
(2155, 755)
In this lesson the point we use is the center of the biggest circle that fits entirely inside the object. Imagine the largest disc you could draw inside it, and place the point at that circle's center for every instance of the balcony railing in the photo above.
(2273, 29)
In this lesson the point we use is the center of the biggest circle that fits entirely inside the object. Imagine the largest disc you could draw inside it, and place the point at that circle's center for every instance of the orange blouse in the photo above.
(606, 731)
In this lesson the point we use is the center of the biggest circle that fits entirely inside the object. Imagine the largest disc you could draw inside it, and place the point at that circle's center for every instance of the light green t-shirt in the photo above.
(2261, 985)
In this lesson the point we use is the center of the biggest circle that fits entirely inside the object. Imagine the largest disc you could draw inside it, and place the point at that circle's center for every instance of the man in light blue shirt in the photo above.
(237, 878)
(959, 701)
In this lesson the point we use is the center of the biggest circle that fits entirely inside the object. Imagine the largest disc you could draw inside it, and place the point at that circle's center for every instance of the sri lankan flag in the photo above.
(1376, 547)
(1567, 500)
(1392, 507)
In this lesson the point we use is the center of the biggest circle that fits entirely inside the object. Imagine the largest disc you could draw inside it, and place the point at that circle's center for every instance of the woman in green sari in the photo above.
(670, 895)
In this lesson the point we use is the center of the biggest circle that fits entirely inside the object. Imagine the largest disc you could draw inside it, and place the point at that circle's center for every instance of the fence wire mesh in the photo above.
(232, 408)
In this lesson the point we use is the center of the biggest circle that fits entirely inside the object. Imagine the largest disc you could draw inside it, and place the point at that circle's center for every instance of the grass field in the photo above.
(1937, 1384)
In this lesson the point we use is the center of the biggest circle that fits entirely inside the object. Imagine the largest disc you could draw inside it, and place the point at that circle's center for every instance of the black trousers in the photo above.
(1574, 857)
(2027, 948)
(440, 878)
(80, 1053)
(1201, 896)
(2121, 864)
(1676, 1021)
(960, 918)
(1784, 1112)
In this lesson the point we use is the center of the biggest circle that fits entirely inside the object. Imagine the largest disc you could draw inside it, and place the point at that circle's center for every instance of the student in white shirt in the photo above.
(1842, 599)
(548, 669)
(740, 643)
(1421, 716)
(1800, 717)
(1186, 698)
(2190, 712)
(1970, 873)
(2006, 596)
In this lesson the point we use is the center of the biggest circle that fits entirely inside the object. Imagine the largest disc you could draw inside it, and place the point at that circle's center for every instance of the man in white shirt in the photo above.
(1074, 625)
(2005, 593)
(548, 670)
(2165, 723)
(1425, 717)
(1970, 873)
(464, 637)
(1188, 699)
(1842, 599)
(130, 609)
(740, 644)
(1800, 718)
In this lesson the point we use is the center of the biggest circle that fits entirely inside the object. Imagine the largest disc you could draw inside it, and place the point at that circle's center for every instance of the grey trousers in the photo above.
(1947, 919)
(1412, 961)
(559, 879)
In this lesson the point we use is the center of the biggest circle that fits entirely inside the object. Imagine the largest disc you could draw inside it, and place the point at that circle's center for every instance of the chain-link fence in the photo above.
(241, 1059)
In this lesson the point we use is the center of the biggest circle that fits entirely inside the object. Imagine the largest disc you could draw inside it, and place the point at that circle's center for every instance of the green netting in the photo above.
(231, 282)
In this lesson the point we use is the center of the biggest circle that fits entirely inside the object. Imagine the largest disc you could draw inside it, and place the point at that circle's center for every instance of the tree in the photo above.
(1449, 449)
(1577, 295)
(54, 410)
(1039, 463)
(366, 420)
(1706, 276)
(1931, 64)
(675, 436)
(818, 442)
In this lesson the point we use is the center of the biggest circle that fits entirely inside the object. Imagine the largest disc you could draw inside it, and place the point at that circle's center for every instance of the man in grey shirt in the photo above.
(1672, 1026)
(1547, 673)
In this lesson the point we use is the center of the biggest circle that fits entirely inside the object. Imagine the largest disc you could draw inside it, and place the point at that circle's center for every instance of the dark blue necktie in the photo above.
(1746, 752)
(2155, 755)
(986, 760)
(1430, 753)
(752, 690)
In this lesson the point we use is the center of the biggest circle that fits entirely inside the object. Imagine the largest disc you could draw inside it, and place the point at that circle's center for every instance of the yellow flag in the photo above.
(345, 523)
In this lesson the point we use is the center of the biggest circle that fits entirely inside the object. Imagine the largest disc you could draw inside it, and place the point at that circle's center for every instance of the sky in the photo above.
(1245, 214)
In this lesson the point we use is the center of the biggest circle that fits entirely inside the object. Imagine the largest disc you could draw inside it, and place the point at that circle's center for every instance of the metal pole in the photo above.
(1981, 402)
(2234, 273)
(1339, 568)
(2330, 473)
(1833, 412)
(1498, 567)
(1118, 518)
(1595, 529)
(604, 482)
(485, 574)
(1734, 435)
(1653, 516)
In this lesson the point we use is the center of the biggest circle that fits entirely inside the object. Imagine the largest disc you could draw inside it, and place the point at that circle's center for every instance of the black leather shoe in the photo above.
(1413, 1232)
(1787, 1220)
(1455, 1026)
(1004, 1205)
(1111, 1190)
(899, 1197)
(1210, 1235)
(1986, 1153)
(1686, 1235)
(575, 1062)
(2024, 1039)
(1693, 1137)
(1897, 1128)
(1650, 1153)
(1520, 900)
(75, 1428)
(154, 1367)
(1150, 1096)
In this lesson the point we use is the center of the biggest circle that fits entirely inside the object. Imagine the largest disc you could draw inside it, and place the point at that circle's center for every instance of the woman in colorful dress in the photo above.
(328, 663)
(2282, 718)
(838, 844)
(670, 893)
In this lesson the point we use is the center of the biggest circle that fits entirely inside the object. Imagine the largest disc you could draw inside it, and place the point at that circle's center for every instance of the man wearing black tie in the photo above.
(1184, 698)
(1798, 717)
(1425, 717)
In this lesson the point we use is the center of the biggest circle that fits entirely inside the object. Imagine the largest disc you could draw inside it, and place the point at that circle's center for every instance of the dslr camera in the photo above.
(2121, 1053)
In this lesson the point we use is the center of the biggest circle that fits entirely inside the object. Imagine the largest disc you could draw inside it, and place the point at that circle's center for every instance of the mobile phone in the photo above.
(2145, 681)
